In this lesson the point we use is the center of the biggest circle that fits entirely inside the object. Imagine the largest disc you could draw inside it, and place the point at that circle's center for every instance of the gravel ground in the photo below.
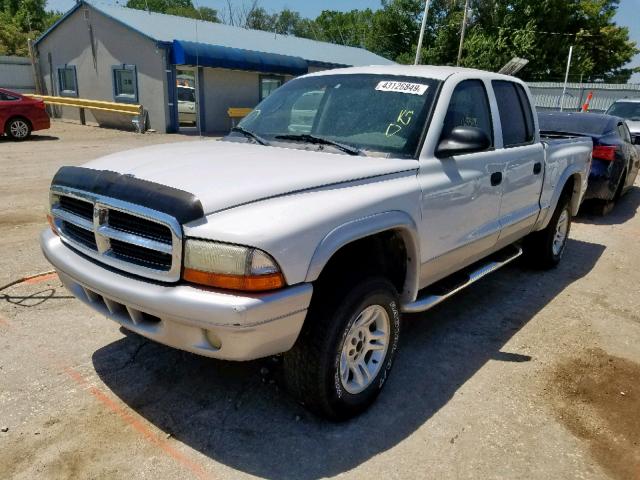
(525, 375)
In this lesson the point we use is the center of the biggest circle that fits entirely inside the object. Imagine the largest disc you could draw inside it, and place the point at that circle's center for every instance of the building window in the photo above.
(268, 83)
(68, 81)
(125, 83)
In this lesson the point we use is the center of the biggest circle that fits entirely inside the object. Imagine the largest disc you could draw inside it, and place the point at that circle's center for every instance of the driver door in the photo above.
(461, 194)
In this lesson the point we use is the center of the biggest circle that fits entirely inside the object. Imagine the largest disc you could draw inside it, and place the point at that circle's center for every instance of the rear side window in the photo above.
(526, 110)
(515, 113)
(469, 107)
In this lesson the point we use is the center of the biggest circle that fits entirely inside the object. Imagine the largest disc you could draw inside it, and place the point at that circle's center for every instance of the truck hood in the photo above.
(227, 174)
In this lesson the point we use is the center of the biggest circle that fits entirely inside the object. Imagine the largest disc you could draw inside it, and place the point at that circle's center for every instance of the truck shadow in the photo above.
(236, 414)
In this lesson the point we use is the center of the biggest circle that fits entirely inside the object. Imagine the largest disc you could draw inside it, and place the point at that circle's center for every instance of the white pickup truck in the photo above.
(344, 199)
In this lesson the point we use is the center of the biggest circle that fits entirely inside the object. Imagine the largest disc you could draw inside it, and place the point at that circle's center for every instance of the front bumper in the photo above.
(205, 321)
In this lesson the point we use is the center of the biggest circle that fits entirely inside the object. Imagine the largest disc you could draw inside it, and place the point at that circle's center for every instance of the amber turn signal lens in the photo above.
(51, 224)
(255, 283)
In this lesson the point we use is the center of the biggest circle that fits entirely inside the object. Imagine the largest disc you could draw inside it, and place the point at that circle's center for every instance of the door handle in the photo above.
(537, 168)
(496, 178)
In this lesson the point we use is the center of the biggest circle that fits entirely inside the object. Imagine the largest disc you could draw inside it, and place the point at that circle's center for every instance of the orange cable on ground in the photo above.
(32, 279)
(112, 405)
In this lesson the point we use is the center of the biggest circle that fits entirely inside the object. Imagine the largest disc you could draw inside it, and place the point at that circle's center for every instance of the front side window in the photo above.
(268, 83)
(125, 84)
(527, 111)
(517, 126)
(469, 107)
(68, 81)
(374, 113)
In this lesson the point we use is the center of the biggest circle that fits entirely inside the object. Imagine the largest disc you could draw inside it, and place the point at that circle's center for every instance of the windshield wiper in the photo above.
(251, 135)
(305, 137)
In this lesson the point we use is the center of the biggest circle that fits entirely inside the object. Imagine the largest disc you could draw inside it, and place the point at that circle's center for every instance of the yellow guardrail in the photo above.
(126, 108)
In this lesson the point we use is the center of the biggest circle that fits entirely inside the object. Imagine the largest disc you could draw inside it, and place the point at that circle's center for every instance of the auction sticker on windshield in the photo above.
(401, 87)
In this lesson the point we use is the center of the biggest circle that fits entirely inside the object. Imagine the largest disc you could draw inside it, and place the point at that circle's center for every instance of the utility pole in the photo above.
(464, 27)
(566, 78)
(424, 24)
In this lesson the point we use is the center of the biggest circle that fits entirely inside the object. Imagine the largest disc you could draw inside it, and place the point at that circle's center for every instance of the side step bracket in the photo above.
(440, 291)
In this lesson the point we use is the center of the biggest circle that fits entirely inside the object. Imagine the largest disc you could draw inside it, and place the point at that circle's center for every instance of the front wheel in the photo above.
(345, 351)
(544, 249)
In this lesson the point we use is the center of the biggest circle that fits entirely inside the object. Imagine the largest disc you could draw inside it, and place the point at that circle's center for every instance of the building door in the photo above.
(187, 98)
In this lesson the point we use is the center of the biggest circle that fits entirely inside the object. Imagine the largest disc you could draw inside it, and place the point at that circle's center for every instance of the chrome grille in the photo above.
(129, 237)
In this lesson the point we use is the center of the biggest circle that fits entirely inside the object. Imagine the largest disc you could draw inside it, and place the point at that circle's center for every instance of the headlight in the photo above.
(230, 266)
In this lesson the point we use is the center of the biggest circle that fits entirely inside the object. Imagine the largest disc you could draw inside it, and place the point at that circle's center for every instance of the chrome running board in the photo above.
(439, 292)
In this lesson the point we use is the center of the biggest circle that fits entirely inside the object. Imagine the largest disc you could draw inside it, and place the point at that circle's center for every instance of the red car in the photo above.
(20, 115)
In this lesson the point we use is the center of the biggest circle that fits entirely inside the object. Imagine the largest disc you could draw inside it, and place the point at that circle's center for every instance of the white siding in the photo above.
(16, 74)
(223, 89)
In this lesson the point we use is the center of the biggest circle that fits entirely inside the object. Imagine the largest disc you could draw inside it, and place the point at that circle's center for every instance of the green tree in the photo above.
(180, 8)
(160, 6)
(260, 19)
(21, 20)
(497, 31)
(542, 33)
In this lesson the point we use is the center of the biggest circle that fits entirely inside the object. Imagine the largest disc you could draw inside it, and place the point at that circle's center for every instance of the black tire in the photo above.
(604, 207)
(539, 246)
(312, 366)
(18, 129)
(620, 189)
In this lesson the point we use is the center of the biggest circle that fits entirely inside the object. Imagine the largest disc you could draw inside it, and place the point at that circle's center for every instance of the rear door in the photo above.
(519, 144)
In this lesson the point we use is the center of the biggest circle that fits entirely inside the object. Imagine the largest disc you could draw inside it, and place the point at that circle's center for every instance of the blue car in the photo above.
(615, 158)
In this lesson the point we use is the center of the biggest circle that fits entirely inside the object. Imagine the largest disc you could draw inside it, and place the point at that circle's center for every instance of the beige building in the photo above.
(119, 54)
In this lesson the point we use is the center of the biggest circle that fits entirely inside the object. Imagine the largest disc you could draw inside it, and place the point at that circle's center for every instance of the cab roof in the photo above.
(426, 71)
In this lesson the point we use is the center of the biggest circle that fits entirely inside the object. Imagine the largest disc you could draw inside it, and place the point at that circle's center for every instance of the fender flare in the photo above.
(364, 227)
(576, 195)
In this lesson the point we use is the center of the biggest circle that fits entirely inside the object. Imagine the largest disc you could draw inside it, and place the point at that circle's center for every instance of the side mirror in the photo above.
(636, 139)
(463, 140)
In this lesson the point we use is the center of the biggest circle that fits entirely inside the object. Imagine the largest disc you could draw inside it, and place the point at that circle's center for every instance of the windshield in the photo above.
(376, 113)
(626, 110)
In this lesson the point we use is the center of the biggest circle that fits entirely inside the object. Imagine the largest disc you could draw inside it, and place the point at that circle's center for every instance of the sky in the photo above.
(627, 12)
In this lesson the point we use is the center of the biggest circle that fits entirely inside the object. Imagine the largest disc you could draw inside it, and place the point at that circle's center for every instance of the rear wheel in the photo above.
(346, 348)
(544, 249)
(18, 129)
(604, 207)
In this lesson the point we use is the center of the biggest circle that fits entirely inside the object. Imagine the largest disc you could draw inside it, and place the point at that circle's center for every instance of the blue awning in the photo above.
(205, 55)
